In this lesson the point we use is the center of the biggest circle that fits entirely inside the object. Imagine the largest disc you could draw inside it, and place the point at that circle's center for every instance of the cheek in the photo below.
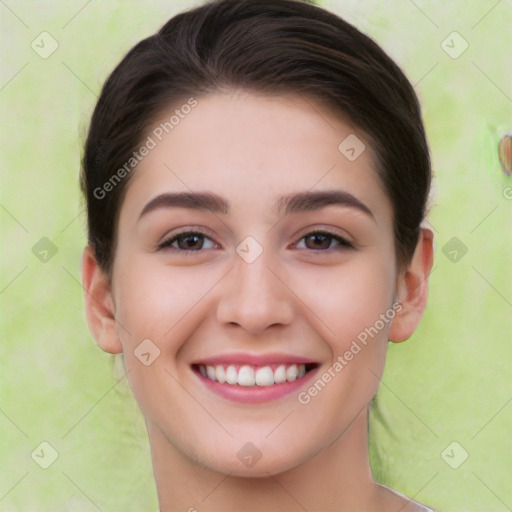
(353, 306)
(155, 301)
(349, 299)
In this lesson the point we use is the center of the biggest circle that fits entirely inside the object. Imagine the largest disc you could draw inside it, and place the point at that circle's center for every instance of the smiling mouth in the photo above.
(251, 375)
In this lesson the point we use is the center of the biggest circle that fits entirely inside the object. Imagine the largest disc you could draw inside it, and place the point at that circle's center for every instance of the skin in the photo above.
(294, 298)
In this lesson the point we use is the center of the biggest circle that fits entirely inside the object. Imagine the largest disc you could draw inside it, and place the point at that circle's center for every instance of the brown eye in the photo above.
(188, 242)
(318, 241)
(322, 241)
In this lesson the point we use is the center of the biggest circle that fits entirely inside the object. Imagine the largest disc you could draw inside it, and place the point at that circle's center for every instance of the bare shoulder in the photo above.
(393, 501)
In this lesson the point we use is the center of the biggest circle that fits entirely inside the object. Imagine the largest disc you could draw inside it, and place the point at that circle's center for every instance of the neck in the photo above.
(338, 478)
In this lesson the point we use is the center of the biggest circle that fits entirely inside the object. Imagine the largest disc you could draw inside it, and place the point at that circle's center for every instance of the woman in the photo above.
(256, 176)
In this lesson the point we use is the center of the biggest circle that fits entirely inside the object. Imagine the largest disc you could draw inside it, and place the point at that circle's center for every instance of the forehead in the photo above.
(253, 148)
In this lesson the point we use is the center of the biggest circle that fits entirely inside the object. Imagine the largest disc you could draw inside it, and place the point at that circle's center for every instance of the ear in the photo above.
(412, 289)
(99, 305)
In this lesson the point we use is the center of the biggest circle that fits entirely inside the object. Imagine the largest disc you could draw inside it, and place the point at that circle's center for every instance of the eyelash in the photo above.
(166, 244)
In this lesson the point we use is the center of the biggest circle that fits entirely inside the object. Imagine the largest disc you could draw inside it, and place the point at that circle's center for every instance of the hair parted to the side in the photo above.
(269, 47)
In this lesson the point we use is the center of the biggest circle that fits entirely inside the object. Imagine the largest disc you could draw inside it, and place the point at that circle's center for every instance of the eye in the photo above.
(186, 242)
(189, 242)
(322, 240)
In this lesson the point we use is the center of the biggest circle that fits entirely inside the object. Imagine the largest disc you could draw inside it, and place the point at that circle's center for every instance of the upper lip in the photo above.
(254, 359)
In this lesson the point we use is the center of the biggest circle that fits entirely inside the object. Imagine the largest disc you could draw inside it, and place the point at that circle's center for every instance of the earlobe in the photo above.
(99, 305)
(412, 289)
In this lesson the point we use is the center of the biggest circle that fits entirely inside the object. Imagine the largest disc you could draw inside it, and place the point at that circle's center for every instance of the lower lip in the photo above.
(255, 394)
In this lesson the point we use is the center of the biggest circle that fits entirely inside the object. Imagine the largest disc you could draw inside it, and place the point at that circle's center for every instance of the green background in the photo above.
(450, 383)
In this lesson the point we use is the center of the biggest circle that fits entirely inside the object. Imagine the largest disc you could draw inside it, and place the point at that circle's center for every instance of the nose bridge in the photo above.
(253, 297)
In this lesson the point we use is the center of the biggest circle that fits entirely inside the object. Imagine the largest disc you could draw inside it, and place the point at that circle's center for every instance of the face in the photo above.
(276, 276)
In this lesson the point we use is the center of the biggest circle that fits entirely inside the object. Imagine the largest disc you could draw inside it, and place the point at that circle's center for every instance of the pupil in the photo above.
(191, 240)
(318, 239)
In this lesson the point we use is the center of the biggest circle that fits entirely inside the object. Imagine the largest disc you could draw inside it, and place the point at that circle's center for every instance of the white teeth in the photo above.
(210, 371)
(280, 374)
(220, 373)
(248, 375)
(231, 375)
(264, 376)
(291, 373)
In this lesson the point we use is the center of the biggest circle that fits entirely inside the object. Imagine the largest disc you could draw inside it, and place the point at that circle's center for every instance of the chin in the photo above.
(254, 460)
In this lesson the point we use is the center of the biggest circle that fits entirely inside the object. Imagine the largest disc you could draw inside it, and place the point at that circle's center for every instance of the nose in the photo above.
(255, 296)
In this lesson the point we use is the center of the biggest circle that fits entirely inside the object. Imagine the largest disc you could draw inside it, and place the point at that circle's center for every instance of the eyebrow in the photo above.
(287, 204)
